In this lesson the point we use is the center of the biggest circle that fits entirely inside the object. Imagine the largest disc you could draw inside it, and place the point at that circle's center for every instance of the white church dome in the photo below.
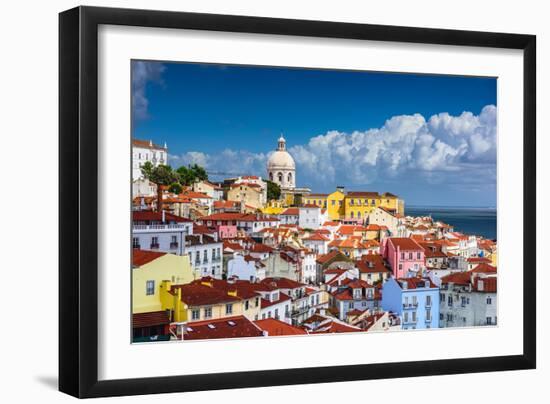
(281, 159)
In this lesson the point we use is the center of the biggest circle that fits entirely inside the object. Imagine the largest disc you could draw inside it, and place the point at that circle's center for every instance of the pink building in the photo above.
(227, 231)
(403, 255)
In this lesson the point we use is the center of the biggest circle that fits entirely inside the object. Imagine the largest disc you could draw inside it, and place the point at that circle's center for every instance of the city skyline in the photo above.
(429, 139)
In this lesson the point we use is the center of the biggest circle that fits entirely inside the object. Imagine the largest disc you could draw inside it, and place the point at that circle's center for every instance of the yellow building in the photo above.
(358, 204)
(274, 207)
(210, 298)
(248, 193)
(150, 269)
(334, 203)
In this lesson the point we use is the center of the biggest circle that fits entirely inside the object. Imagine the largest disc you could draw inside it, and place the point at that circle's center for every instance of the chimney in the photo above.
(163, 216)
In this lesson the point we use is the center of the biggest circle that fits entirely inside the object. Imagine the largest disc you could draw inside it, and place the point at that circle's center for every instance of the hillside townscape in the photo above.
(251, 256)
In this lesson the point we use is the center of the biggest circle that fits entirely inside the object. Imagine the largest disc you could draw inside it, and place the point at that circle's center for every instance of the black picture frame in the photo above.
(78, 196)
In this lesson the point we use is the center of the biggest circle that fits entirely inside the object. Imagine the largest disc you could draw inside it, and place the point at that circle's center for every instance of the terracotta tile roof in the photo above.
(150, 319)
(240, 217)
(282, 283)
(405, 243)
(229, 327)
(232, 246)
(485, 285)
(195, 195)
(457, 278)
(150, 216)
(196, 294)
(336, 327)
(484, 268)
(371, 263)
(142, 257)
(226, 204)
(416, 283)
(146, 144)
(316, 237)
(261, 248)
(362, 194)
(474, 260)
(276, 327)
(331, 224)
(291, 212)
(323, 259)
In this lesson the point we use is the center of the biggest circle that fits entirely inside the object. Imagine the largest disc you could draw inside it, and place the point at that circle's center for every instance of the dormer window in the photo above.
(357, 293)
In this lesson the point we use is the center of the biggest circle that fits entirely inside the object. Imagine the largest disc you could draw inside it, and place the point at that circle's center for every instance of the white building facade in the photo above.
(146, 150)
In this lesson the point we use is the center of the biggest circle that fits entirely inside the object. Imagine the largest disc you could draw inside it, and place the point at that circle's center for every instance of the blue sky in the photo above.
(430, 139)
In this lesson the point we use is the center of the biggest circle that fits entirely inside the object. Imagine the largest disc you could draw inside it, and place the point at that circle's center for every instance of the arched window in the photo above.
(280, 177)
(351, 215)
(289, 178)
(270, 176)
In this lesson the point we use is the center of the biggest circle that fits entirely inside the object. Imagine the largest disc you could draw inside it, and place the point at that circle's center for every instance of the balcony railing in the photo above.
(157, 227)
(155, 246)
(410, 305)
(138, 246)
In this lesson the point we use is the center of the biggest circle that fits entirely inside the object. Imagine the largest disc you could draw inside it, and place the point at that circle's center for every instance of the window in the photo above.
(418, 255)
(246, 305)
(174, 239)
(229, 308)
(406, 317)
(195, 314)
(489, 300)
(350, 305)
(333, 202)
(415, 301)
(154, 242)
(205, 256)
(463, 301)
(428, 300)
(489, 321)
(257, 302)
(450, 301)
(277, 313)
(428, 315)
(135, 242)
(263, 316)
(410, 256)
(150, 288)
(402, 255)
(414, 316)
(280, 177)
(208, 312)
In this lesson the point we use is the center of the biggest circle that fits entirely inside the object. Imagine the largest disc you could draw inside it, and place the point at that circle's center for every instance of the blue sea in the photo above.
(477, 221)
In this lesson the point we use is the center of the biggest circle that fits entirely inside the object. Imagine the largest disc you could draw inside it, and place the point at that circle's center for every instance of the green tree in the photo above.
(175, 188)
(191, 174)
(162, 175)
(273, 190)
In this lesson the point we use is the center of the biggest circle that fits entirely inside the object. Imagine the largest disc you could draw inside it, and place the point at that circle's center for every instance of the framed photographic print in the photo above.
(275, 188)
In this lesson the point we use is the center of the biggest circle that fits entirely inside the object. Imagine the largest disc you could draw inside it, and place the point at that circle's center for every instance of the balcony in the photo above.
(137, 246)
(410, 306)
(174, 245)
(155, 246)
(142, 228)
(216, 260)
(197, 263)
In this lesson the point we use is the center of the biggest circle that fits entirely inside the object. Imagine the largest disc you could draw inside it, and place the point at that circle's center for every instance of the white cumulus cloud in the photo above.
(444, 148)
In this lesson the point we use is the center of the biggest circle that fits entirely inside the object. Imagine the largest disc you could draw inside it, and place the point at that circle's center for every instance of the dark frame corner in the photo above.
(78, 112)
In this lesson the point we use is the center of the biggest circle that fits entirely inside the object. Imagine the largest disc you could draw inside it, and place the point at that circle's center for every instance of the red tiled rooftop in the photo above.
(229, 327)
(405, 243)
(150, 319)
(150, 216)
(142, 257)
(275, 327)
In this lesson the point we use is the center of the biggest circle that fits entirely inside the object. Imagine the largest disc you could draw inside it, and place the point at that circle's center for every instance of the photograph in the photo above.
(273, 201)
